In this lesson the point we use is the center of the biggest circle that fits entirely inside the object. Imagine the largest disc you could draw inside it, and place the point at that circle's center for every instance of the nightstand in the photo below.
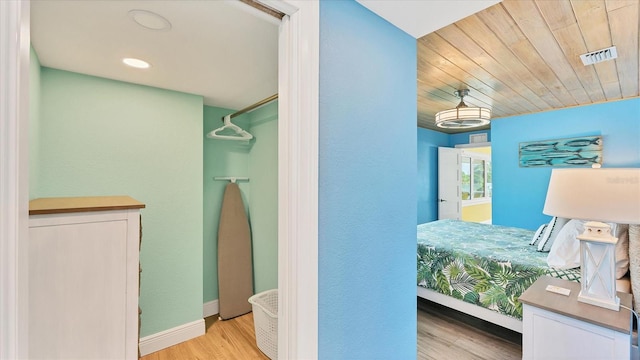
(556, 326)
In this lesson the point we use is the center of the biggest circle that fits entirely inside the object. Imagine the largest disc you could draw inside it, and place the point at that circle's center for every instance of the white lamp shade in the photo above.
(605, 194)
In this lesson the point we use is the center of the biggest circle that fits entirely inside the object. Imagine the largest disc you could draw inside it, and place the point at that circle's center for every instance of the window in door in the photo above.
(478, 178)
(476, 181)
(488, 181)
(465, 163)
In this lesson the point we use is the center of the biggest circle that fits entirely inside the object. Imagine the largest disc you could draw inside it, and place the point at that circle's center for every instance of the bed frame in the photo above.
(471, 309)
(623, 284)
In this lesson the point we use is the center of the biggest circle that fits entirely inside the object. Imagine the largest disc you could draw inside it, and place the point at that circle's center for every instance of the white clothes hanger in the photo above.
(240, 133)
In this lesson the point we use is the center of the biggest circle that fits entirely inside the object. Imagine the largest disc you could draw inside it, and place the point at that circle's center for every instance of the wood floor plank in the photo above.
(447, 334)
(228, 339)
(442, 334)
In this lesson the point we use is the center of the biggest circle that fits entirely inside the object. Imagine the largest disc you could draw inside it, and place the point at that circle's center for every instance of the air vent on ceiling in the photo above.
(599, 56)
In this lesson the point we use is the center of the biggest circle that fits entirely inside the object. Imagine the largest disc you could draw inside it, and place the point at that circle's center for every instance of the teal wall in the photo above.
(104, 137)
(133, 143)
(428, 143)
(519, 193)
(367, 186)
(257, 160)
(34, 125)
(263, 171)
(221, 158)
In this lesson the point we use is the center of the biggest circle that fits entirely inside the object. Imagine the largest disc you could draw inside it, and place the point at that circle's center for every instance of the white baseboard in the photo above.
(210, 308)
(178, 334)
(170, 337)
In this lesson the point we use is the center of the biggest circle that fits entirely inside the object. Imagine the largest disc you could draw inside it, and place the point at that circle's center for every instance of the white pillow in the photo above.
(538, 235)
(550, 233)
(565, 251)
(621, 231)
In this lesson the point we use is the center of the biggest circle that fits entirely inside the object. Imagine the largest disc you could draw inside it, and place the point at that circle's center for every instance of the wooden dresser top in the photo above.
(82, 204)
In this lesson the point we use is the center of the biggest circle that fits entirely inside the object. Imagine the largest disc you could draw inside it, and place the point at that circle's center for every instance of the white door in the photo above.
(449, 202)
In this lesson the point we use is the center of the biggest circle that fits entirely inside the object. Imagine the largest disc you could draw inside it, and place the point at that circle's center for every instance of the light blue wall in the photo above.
(463, 138)
(519, 193)
(104, 137)
(367, 182)
(428, 143)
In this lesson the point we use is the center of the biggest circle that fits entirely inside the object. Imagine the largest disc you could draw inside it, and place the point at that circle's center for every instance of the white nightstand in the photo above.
(555, 326)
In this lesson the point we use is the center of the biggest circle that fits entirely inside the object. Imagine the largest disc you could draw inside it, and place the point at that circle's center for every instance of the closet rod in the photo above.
(254, 106)
(264, 8)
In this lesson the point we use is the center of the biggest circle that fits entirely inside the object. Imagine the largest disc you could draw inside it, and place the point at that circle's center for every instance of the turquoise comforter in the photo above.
(486, 265)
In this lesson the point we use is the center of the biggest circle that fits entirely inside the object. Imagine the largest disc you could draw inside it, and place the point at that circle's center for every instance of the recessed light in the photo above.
(150, 20)
(136, 63)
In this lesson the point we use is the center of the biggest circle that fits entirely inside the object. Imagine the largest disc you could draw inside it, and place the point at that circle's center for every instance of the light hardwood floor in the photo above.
(229, 339)
(447, 334)
(442, 335)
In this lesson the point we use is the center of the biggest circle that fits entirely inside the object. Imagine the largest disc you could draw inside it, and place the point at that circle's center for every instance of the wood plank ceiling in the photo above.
(523, 56)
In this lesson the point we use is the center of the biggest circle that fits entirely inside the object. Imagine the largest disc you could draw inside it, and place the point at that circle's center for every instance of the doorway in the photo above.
(465, 185)
(152, 132)
(298, 73)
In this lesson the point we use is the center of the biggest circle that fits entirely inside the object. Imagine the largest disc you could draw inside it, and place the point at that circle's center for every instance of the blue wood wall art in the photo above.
(580, 151)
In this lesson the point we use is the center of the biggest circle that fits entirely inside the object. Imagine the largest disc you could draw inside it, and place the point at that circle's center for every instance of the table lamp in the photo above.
(598, 196)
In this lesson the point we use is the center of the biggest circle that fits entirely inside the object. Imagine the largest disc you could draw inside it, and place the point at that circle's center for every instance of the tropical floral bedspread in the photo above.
(486, 265)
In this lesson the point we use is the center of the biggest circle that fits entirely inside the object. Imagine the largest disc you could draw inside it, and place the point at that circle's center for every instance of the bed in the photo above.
(480, 269)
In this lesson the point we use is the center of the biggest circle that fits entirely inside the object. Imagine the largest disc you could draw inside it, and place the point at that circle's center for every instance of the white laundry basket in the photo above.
(265, 320)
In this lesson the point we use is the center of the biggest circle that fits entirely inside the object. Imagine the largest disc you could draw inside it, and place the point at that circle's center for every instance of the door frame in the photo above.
(297, 172)
(14, 177)
(298, 88)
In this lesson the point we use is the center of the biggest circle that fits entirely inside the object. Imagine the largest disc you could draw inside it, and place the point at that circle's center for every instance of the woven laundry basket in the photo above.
(265, 320)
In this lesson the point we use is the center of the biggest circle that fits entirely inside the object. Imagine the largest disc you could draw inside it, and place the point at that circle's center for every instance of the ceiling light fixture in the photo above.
(463, 116)
(150, 20)
(136, 63)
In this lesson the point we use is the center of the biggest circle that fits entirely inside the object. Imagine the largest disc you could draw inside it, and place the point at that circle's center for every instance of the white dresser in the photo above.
(83, 277)
(555, 326)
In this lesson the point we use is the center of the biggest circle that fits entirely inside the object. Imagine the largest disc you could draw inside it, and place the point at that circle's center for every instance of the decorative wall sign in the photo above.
(580, 151)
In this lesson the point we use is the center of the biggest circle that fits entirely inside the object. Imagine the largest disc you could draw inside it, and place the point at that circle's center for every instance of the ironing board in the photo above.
(235, 269)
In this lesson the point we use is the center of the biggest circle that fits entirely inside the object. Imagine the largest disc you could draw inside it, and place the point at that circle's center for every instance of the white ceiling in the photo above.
(421, 17)
(225, 51)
